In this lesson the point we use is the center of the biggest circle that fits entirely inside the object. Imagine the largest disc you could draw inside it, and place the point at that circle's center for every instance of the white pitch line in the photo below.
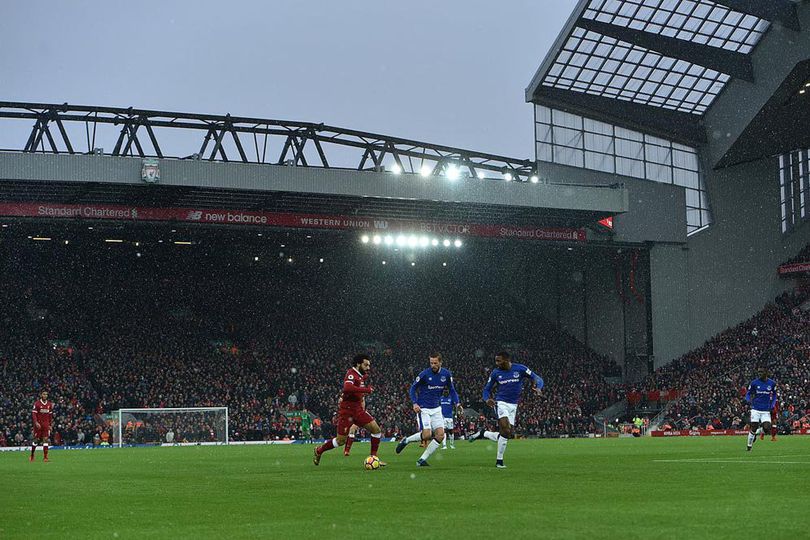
(731, 461)
(752, 458)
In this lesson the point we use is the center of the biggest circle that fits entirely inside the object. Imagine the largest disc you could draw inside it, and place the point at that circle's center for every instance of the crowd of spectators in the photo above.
(709, 383)
(267, 347)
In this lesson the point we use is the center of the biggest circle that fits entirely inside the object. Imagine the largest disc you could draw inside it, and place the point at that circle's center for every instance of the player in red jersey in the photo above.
(351, 409)
(42, 414)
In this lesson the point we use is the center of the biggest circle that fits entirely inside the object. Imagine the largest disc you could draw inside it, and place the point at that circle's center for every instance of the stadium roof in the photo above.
(657, 64)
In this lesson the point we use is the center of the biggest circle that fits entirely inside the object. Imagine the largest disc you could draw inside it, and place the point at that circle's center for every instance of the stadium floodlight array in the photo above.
(409, 241)
(173, 425)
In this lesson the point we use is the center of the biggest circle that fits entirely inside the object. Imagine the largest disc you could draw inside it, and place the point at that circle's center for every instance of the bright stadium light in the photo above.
(452, 172)
(412, 241)
(320, 260)
(425, 171)
(457, 243)
(396, 169)
(444, 264)
(446, 243)
(424, 241)
(364, 239)
(534, 179)
(289, 260)
(413, 264)
(434, 242)
(255, 258)
(401, 240)
(377, 239)
(507, 177)
(480, 175)
(389, 240)
(384, 262)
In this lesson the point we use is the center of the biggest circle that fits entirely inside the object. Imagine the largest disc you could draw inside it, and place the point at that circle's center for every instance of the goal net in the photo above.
(181, 425)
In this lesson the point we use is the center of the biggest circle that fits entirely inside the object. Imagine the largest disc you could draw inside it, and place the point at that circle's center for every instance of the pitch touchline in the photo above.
(753, 458)
(730, 461)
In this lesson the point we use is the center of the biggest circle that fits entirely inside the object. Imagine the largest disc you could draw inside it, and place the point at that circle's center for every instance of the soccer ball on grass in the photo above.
(371, 463)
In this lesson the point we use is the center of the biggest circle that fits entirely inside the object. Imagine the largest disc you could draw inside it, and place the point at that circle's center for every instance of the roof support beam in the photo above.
(732, 63)
(672, 125)
(781, 11)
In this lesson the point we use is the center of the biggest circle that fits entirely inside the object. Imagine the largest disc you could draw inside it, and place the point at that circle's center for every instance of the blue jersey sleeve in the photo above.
(416, 384)
(748, 396)
(488, 388)
(527, 373)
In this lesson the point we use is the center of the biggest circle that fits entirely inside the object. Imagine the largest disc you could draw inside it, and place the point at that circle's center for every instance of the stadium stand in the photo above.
(264, 348)
(708, 384)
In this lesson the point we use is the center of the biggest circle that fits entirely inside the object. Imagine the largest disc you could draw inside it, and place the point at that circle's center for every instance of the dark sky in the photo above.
(449, 72)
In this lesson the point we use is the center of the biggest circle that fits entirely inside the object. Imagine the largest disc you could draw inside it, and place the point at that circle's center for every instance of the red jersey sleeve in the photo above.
(354, 386)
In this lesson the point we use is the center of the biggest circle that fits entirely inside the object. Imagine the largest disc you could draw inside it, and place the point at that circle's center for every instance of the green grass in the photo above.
(614, 488)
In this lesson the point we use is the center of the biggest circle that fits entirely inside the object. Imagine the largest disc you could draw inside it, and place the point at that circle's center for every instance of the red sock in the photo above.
(328, 445)
(773, 432)
(348, 447)
(375, 444)
(45, 449)
(33, 449)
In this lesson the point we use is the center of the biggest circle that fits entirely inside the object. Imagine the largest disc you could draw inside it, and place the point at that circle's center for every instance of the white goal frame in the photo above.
(121, 413)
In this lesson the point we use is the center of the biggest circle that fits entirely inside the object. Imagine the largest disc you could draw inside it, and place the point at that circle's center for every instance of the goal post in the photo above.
(171, 425)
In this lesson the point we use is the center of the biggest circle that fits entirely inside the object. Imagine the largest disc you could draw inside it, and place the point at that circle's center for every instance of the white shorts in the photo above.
(448, 423)
(760, 416)
(430, 419)
(506, 410)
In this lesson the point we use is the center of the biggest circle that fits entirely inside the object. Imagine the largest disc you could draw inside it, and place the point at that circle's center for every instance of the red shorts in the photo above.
(42, 433)
(348, 417)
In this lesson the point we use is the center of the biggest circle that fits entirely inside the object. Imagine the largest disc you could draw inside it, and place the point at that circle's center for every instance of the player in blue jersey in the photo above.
(507, 382)
(448, 408)
(426, 392)
(761, 395)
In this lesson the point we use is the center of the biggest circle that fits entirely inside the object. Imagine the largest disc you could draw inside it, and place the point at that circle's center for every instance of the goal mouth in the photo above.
(170, 426)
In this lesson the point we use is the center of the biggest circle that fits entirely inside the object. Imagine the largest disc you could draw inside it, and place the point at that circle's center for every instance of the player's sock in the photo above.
(752, 436)
(349, 442)
(444, 441)
(773, 433)
(416, 437)
(45, 450)
(328, 445)
(491, 435)
(33, 450)
(452, 440)
(501, 447)
(375, 443)
(429, 450)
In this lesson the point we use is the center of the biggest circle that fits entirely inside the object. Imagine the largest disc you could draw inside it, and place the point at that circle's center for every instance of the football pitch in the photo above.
(575, 488)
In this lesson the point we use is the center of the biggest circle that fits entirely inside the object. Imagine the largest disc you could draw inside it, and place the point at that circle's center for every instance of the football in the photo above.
(372, 463)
